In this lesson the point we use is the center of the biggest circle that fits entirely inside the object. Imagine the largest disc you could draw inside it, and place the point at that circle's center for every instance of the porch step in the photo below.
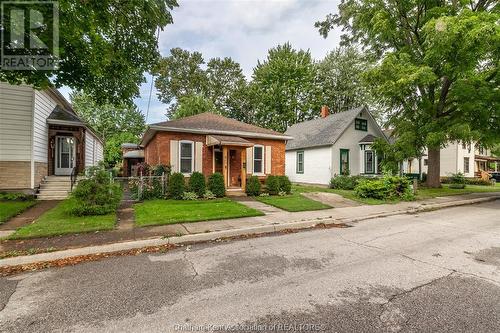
(54, 188)
(235, 193)
(51, 197)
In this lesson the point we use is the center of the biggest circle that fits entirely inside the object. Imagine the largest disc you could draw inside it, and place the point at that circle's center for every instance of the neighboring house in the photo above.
(41, 135)
(132, 155)
(331, 145)
(457, 157)
(210, 143)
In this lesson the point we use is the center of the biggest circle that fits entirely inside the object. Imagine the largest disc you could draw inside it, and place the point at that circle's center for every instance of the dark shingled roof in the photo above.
(61, 114)
(214, 122)
(320, 131)
(368, 138)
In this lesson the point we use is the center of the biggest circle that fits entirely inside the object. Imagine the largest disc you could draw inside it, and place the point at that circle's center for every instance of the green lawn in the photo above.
(293, 203)
(10, 209)
(423, 193)
(58, 222)
(158, 212)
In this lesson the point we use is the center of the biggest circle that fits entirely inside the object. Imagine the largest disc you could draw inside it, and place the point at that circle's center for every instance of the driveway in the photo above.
(436, 272)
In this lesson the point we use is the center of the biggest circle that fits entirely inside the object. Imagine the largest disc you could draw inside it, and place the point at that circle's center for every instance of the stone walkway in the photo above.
(252, 203)
(331, 199)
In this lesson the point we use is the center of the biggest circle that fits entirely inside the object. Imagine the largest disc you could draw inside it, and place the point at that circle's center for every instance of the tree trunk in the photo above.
(434, 168)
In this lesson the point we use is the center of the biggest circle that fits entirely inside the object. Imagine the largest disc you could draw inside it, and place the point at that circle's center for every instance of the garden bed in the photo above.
(292, 203)
(58, 221)
(9, 209)
(159, 212)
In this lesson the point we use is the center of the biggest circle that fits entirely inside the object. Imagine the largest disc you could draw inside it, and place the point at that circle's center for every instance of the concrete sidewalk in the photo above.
(275, 222)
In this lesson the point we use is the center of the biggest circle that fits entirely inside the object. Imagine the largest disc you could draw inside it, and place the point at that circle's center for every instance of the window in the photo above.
(300, 162)
(361, 124)
(369, 161)
(466, 165)
(258, 159)
(426, 162)
(481, 150)
(186, 156)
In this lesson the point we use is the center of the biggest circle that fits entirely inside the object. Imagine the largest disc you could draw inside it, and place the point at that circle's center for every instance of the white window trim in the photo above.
(192, 156)
(262, 159)
(373, 164)
(297, 171)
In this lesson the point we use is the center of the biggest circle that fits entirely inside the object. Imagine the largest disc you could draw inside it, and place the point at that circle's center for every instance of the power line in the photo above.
(152, 81)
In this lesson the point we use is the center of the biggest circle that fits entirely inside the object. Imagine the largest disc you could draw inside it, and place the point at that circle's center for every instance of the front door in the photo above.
(344, 162)
(65, 155)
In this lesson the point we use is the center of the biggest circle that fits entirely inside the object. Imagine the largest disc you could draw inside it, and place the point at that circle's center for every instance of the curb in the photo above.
(212, 236)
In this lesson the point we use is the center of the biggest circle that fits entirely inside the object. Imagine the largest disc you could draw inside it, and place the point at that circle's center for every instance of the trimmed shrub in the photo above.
(176, 186)
(272, 185)
(467, 181)
(457, 178)
(375, 189)
(197, 183)
(97, 195)
(216, 184)
(189, 196)
(285, 184)
(253, 186)
(15, 196)
(342, 182)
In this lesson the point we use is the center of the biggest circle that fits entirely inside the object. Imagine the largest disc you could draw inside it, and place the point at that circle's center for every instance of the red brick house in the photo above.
(211, 143)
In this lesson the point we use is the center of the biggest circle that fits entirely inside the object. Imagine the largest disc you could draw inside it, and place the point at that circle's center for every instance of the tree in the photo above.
(181, 75)
(437, 67)
(285, 88)
(192, 105)
(340, 78)
(225, 79)
(104, 47)
(114, 124)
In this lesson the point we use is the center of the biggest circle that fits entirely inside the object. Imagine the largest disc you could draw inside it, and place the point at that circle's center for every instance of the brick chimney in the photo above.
(325, 112)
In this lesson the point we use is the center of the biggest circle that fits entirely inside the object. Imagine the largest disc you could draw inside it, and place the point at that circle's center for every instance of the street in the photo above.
(433, 272)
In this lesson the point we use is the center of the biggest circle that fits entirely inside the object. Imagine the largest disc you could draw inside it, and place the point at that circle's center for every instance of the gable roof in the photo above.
(63, 115)
(369, 138)
(210, 123)
(321, 131)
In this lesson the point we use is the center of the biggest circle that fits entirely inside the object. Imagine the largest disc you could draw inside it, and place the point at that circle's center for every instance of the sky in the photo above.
(241, 29)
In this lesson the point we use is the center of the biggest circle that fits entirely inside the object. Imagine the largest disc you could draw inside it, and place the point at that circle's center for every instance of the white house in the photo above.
(457, 157)
(331, 145)
(40, 136)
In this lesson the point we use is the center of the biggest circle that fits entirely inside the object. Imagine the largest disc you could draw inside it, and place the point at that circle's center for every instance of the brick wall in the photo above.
(15, 175)
(157, 151)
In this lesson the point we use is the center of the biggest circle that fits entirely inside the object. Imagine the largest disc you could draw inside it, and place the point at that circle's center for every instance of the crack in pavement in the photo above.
(9, 296)
(191, 264)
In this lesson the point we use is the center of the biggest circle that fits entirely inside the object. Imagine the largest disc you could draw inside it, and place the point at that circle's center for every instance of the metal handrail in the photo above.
(73, 177)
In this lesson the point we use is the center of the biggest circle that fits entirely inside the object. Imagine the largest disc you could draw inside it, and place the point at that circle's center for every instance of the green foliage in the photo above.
(285, 88)
(342, 182)
(253, 187)
(278, 184)
(387, 188)
(197, 184)
(176, 186)
(189, 89)
(209, 195)
(340, 78)
(105, 47)
(272, 185)
(15, 196)
(115, 124)
(96, 195)
(189, 196)
(436, 72)
(216, 184)
(457, 178)
(191, 105)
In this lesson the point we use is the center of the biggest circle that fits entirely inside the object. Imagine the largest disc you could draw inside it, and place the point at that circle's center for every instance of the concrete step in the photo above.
(54, 186)
(51, 197)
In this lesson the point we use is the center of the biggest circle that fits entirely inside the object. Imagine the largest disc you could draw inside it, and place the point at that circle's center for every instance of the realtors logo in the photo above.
(29, 35)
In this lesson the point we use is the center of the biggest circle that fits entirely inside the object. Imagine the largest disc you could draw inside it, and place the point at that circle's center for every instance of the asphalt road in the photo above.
(432, 272)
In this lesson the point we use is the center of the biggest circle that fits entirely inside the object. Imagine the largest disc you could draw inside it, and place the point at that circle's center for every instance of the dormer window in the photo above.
(361, 124)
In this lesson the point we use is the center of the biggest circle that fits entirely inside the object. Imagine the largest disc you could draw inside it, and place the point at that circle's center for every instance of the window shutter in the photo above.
(174, 155)
(250, 160)
(198, 157)
(268, 159)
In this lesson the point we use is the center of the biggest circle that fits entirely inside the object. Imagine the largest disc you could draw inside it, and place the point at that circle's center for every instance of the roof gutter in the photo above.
(74, 123)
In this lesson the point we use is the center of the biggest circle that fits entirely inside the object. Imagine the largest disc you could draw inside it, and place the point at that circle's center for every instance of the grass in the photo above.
(57, 222)
(426, 193)
(293, 203)
(9, 209)
(158, 212)
(423, 193)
